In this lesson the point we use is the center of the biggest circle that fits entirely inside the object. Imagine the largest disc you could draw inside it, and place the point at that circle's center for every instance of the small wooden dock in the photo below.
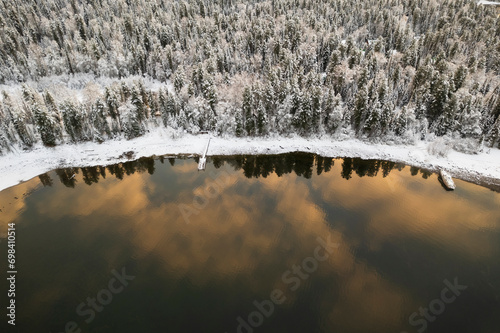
(203, 159)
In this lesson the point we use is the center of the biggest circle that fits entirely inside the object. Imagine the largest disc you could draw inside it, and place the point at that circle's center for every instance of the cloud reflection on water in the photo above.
(269, 224)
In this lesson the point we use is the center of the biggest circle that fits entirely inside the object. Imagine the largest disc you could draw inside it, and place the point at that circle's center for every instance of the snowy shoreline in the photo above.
(17, 167)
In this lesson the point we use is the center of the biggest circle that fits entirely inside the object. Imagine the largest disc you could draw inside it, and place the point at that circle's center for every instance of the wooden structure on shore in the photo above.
(203, 159)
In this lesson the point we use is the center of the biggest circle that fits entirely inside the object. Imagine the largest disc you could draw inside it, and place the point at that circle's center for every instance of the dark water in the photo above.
(290, 243)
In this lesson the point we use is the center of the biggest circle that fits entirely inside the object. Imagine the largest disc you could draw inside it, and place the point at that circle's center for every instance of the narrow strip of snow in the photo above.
(488, 3)
(21, 166)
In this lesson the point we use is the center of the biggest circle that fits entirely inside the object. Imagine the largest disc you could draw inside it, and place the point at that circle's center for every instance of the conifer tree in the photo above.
(239, 131)
(179, 79)
(171, 105)
(137, 101)
(336, 116)
(209, 93)
(262, 121)
(19, 121)
(470, 118)
(98, 120)
(53, 110)
(73, 121)
(494, 134)
(315, 109)
(447, 122)
(459, 77)
(46, 124)
(360, 107)
(111, 102)
(247, 108)
(372, 125)
(439, 97)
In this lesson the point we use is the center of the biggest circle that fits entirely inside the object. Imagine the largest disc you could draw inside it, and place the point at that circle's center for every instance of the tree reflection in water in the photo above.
(253, 166)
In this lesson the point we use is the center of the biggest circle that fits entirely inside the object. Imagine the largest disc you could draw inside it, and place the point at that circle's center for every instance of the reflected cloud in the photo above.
(401, 204)
(258, 228)
(111, 197)
(234, 235)
(13, 201)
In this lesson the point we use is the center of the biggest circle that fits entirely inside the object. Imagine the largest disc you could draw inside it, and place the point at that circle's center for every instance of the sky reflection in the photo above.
(399, 237)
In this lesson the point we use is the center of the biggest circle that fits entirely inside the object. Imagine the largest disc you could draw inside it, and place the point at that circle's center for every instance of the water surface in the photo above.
(201, 249)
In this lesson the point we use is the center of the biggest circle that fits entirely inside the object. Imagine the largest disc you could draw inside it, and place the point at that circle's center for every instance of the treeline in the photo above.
(398, 70)
(302, 164)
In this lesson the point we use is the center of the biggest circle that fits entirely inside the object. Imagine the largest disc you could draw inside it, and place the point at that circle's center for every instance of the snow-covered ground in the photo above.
(488, 3)
(20, 166)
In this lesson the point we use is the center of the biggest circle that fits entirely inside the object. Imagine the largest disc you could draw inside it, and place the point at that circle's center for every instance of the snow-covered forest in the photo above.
(382, 70)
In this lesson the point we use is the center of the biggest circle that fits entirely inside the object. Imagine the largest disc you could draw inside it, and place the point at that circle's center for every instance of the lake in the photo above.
(285, 243)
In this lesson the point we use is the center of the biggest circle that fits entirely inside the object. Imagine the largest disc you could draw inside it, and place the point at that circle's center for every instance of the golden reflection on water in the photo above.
(401, 204)
(12, 201)
(237, 234)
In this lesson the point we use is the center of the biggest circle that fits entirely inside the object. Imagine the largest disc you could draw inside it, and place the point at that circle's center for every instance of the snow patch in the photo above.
(488, 3)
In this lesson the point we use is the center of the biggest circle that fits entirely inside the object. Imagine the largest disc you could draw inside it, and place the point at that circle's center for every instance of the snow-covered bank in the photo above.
(482, 2)
(483, 168)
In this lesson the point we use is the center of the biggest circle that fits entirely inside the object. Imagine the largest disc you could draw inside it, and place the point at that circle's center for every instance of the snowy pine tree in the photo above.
(19, 121)
(459, 77)
(131, 125)
(360, 108)
(73, 119)
(470, 118)
(447, 122)
(494, 134)
(239, 130)
(262, 121)
(336, 116)
(316, 98)
(372, 125)
(98, 121)
(137, 101)
(179, 79)
(247, 107)
(46, 125)
(440, 90)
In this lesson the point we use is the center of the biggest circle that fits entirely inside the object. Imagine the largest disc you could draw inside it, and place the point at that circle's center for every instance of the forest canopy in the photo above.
(383, 70)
